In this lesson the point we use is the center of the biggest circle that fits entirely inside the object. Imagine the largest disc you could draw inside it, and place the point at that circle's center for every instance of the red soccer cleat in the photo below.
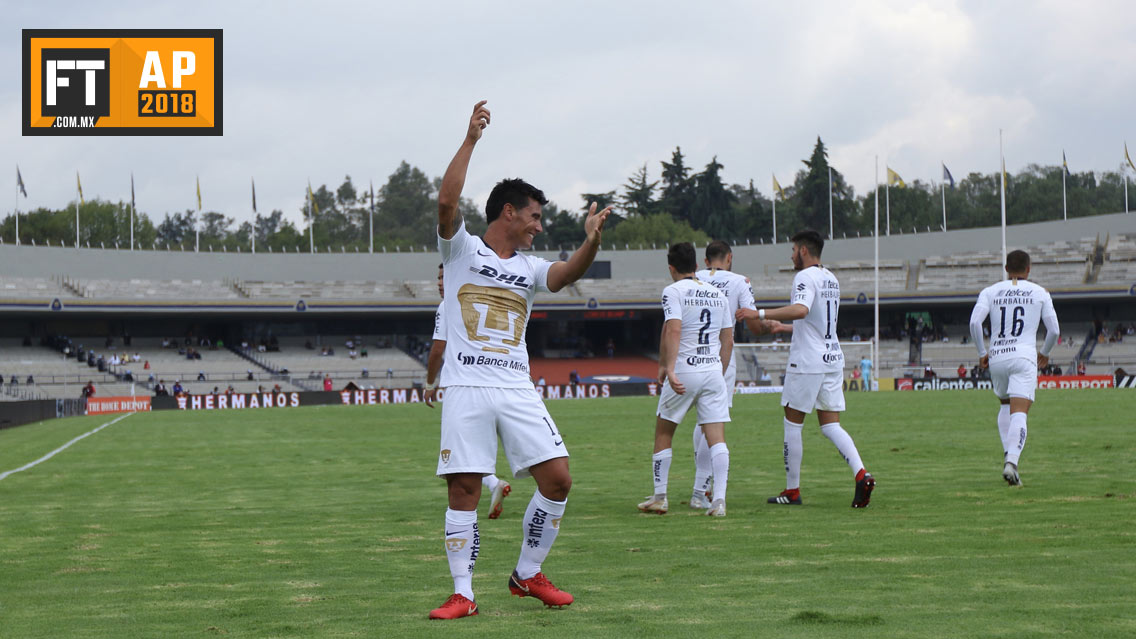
(540, 587)
(499, 494)
(456, 607)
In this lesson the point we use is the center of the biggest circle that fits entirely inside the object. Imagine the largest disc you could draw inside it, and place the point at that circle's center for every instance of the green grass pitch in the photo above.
(327, 522)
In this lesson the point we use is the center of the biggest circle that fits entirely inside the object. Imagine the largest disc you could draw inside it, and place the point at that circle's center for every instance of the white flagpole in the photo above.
(1002, 157)
(17, 207)
(311, 223)
(830, 229)
(132, 212)
(371, 226)
(1064, 200)
(876, 294)
(79, 196)
(253, 215)
(943, 193)
(775, 218)
(1126, 191)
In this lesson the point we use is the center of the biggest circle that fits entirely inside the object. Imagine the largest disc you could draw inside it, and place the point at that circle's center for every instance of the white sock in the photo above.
(1004, 426)
(794, 450)
(540, 525)
(720, 458)
(661, 467)
(490, 482)
(703, 469)
(1016, 439)
(844, 444)
(462, 545)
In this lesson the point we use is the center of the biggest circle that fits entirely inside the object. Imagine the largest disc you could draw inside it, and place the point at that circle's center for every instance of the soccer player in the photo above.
(865, 373)
(489, 294)
(694, 352)
(1015, 306)
(739, 294)
(814, 378)
(498, 488)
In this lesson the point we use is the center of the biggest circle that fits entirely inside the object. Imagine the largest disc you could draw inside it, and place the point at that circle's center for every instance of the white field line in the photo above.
(62, 448)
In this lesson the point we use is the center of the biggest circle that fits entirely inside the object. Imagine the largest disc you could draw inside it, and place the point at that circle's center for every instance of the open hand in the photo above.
(478, 121)
(594, 222)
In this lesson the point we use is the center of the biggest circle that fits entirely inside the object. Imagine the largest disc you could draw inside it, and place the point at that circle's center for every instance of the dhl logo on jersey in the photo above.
(122, 82)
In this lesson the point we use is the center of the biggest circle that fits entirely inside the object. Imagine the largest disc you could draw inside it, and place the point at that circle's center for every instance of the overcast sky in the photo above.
(584, 93)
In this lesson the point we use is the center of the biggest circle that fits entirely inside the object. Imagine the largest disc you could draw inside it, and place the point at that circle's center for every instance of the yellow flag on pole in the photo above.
(777, 188)
(199, 194)
(79, 185)
(1128, 157)
(312, 199)
(894, 179)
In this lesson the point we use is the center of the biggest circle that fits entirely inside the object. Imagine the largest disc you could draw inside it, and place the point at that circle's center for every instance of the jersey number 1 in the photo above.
(830, 307)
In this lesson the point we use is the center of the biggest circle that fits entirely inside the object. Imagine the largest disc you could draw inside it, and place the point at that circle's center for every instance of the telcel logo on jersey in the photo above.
(122, 82)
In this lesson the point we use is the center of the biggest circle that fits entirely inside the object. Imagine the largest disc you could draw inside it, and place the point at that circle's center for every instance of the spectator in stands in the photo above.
(366, 373)
(929, 372)
(390, 373)
(327, 382)
(856, 376)
(229, 391)
(244, 345)
(352, 354)
(151, 378)
(89, 389)
(610, 348)
(160, 389)
(178, 388)
(165, 342)
(1081, 367)
(136, 357)
(262, 347)
(201, 376)
(250, 375)
(573, 377)
(855, 335)
(146, 365)
(962, 371)
(540, 381)
(276, 388)
(13, 380)
(1, 380)
(128, 376)
(216, 390)
(260, 388)
(31, 380)
(101, 364)
(363, 351)
(350, 343)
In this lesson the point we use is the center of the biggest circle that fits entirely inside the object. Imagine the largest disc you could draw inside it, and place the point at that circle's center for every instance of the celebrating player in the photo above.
(739, 294)
(694, 351)
(499, 489)
(488, 297)
(814, 378)
(1016, 306)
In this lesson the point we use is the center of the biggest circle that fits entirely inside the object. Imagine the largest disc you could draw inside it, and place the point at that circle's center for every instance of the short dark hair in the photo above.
(682, 257)
(717, 250)
(513, 191)
(440, 265)
(809, 239)
(1017, 262)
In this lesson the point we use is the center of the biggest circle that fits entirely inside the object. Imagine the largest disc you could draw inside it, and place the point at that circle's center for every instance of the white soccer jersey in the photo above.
(702, 309)
(486, 312)
(815, 347)
(1015, 310)
(440, 323)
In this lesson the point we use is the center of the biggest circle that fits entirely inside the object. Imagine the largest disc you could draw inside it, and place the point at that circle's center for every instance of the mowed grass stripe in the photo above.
(327, 522)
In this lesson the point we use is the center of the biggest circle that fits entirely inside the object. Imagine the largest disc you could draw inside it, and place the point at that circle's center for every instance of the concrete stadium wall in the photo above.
(86, 264)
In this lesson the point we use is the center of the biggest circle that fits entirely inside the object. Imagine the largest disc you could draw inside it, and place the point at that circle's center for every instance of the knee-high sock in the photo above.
(794, 450)
(703, 469)
(1016, 439)
(1004, 427)
(490, 482)
(844, 444)
(540, 526)
(720, 458)
(661, 468)
(462, 546)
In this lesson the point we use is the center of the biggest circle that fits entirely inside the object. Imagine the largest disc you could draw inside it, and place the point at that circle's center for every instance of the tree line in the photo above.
(682, 204)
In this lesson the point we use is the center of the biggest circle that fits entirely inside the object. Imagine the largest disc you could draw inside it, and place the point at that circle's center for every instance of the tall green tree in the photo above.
(712, 210)
(639, 194)
(678, 188)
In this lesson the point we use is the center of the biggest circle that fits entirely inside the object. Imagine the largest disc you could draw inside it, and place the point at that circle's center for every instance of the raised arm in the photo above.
(449, 195)
(562, 274)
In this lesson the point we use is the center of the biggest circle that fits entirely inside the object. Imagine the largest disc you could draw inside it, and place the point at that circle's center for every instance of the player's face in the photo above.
(526, 224)
(441, 286)
(798, 260)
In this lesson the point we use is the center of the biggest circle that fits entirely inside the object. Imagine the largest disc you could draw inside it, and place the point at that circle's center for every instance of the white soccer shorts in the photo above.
(704, 390)
(474, 416)
(1015, 377)
(807, 392)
